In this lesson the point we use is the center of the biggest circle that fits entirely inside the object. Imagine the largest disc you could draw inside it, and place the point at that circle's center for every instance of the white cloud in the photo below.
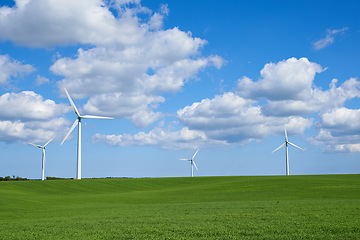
(40, 80)
(341, 143)
(345, 148)
(257, 110)
(32, 131)
(181, 139)
(28, 105)
(287, 79)
(11, 130)
(49, 23)
(133, 74)
(329, 38)
(231, 118)
(26, 116)
(173, 77)
(289, 90)
(136, 107)
(340, 121)
(101, 70)
(145, 118)
(224, 106)
(339, 130)
(156, 21)
(127, 52)
(316, 100)
(10, 68)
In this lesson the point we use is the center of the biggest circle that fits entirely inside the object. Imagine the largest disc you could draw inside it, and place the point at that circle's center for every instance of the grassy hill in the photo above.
(271, 207)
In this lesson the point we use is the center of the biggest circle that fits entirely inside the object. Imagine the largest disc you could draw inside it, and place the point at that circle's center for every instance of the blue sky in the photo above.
(225, 77)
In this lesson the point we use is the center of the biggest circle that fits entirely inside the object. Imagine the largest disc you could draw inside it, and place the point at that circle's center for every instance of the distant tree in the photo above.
(8, 178)
(56, 178)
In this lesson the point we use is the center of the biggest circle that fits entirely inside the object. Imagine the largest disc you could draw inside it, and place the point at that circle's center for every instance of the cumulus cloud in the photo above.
(125, 79)
(257, 110)
(32, 131)
(329, 38)
(316, 100)
(289, 90)
(287, 79)
(339, 130)
(340, 121)
(181, 139)
(341, 143)
(28, 105)
(26, 116)
(135, 107)
(10, 68)
(231, 118)
(126, 60)
(102, 70)
(173, 77)
(49, 23)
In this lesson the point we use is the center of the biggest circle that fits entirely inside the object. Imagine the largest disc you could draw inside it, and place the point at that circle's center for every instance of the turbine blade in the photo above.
(286, 137)
(49, 141)
(195, 165)
(72, 103)
(96, 117)
(296, 146)
(195, 154)
(278, 148)
(185, 159)
(71, 129)
(35, 145)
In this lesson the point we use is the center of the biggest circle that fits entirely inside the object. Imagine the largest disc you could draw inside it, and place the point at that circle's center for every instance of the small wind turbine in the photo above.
(78, 122)
(286, 143)
(192, 163)
(43, 157)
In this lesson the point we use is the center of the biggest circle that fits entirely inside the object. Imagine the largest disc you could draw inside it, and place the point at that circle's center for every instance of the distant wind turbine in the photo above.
(192, 163)
(43, 157)
(286, 143)
(78, 122)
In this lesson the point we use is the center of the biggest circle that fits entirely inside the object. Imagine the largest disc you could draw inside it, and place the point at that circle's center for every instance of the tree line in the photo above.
(13, 178)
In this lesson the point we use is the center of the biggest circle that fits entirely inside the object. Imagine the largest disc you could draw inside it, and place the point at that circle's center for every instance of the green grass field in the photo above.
(270, 207)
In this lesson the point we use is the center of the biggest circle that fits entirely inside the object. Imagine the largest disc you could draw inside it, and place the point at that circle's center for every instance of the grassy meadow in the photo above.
(269, 207)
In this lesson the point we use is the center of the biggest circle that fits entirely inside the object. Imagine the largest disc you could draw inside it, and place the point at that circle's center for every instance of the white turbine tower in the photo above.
(192, 163)
(286, 143)
(43, 157)
(78, 122)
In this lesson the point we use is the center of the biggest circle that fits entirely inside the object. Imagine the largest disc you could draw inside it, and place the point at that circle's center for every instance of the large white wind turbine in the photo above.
(43, 157)
(286, 143)
(78, 123)
(192, 163)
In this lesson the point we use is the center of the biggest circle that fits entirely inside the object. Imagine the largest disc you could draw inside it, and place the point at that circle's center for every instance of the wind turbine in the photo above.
(192, 163)
(43, 156)
(286, 143)
(78, 122)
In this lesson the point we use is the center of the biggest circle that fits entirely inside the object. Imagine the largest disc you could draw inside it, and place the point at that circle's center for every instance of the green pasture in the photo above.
(269, 207)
